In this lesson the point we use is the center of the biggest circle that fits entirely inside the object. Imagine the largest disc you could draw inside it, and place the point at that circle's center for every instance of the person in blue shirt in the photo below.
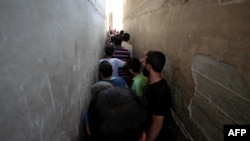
(105, 69)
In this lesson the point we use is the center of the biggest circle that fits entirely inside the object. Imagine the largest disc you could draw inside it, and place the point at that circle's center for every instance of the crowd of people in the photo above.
(131, 101)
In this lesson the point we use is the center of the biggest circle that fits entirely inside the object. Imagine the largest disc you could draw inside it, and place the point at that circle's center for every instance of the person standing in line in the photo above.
(122, 54)
(157, 99)
(116, 114)
(105, 69)
(121, 32)
(95, 90)
(126, 44)
(140, 82)
(115, 62)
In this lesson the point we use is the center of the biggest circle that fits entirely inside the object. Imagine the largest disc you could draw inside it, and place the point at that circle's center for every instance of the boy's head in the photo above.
(100, 86)
(105, 68)
(121, 32)
(156, 60)
(116, 114)
(109, 51)
(118, 39)
(135, 65)
(126, 37)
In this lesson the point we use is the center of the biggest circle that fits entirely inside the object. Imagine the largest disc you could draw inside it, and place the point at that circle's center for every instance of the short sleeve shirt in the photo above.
(158, 103)
(117, 82)
(124, 55)
(116, 64)
(139, 84)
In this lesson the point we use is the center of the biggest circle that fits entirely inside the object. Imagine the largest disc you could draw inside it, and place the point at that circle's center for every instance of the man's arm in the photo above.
(155, 127)
(138, 89)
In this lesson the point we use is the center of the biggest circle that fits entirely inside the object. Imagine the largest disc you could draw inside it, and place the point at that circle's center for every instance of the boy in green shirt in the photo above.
(140, 82)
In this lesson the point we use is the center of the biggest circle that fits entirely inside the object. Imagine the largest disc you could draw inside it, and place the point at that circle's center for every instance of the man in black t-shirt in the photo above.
(157, 99)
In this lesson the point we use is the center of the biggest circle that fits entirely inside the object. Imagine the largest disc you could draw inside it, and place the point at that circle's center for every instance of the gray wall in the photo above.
(207, 47)
(48, 57)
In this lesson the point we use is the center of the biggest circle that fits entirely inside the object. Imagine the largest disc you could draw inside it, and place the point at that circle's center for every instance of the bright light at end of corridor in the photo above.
(115, 14)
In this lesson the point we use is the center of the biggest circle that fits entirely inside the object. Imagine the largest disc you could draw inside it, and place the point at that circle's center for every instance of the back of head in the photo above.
(118, 39)
(126, 37)
(134, 64)
(121, 32)
(105, 69)
(99, 86)
(109, 51)
(156, 59)
(116, 114)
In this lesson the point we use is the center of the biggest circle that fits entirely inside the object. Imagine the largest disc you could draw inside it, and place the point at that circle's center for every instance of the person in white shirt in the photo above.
(126, 44)
(115, 62)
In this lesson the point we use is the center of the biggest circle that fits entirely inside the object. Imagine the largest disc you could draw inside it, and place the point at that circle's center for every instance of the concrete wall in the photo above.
(48, 57)
(207, 47)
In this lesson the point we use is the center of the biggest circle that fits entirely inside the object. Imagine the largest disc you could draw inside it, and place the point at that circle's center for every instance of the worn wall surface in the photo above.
(208, 52)
(48, 53)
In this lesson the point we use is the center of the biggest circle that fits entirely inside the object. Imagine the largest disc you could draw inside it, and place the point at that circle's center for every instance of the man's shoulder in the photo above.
(110, 60)
(118, 79)
(122, 54)
(120, 49)
(161, 86)
(127, 45)
(116, 61)
(140, 77)
(161, 82)
(103, 59)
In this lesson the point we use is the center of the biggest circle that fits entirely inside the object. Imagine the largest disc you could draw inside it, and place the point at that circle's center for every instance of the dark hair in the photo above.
(118, 39)
(134, 64)
(99, 86)
(126, 37)
(156, 59)
(105, 68)
(121, 32)
(116, 114)
(149, 51)
(109, 51)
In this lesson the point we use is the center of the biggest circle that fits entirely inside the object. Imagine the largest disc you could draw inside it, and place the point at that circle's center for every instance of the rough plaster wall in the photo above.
(221, 97)
(194, 33)
(48, 50)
